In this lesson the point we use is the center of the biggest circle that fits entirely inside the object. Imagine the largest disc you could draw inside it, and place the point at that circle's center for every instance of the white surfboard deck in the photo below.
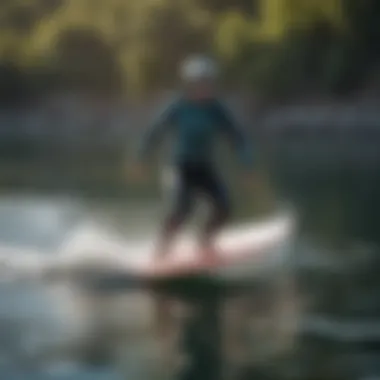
(245, 248)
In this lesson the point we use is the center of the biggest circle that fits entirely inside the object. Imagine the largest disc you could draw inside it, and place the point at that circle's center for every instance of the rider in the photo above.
(196, 118)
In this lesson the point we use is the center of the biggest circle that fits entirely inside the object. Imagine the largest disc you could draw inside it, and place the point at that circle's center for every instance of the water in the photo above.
(70, 330)
(45, 328)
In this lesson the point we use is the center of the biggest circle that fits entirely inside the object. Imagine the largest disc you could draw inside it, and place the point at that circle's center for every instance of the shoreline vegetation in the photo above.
(278, 49)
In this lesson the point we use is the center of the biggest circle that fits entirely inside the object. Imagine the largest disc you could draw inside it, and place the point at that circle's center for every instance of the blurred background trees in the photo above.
(272, 47)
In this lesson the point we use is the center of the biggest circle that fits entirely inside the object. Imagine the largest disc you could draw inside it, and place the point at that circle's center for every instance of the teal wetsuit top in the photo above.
(196, 126)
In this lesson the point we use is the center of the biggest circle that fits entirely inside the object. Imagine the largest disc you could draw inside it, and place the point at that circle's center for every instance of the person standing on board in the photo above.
(197, 119)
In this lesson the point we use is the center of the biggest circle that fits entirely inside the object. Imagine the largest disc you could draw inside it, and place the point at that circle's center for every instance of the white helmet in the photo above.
(198, 67)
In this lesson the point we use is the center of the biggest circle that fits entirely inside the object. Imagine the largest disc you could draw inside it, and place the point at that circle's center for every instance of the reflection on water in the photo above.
(63, 330)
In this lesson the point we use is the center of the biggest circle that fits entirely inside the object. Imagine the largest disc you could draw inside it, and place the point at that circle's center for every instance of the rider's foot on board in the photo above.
(209, 253)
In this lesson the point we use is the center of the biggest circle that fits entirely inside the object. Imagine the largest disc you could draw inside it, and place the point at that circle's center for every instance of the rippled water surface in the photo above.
(64, 329)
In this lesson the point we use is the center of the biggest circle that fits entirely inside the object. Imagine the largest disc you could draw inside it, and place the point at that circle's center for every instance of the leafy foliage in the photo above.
(277, 47)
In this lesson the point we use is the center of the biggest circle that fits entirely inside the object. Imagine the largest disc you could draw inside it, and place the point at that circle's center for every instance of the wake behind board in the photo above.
(244, 248)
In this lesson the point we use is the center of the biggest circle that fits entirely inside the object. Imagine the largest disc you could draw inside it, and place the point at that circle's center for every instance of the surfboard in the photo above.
(246, 251)
(245, 247)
